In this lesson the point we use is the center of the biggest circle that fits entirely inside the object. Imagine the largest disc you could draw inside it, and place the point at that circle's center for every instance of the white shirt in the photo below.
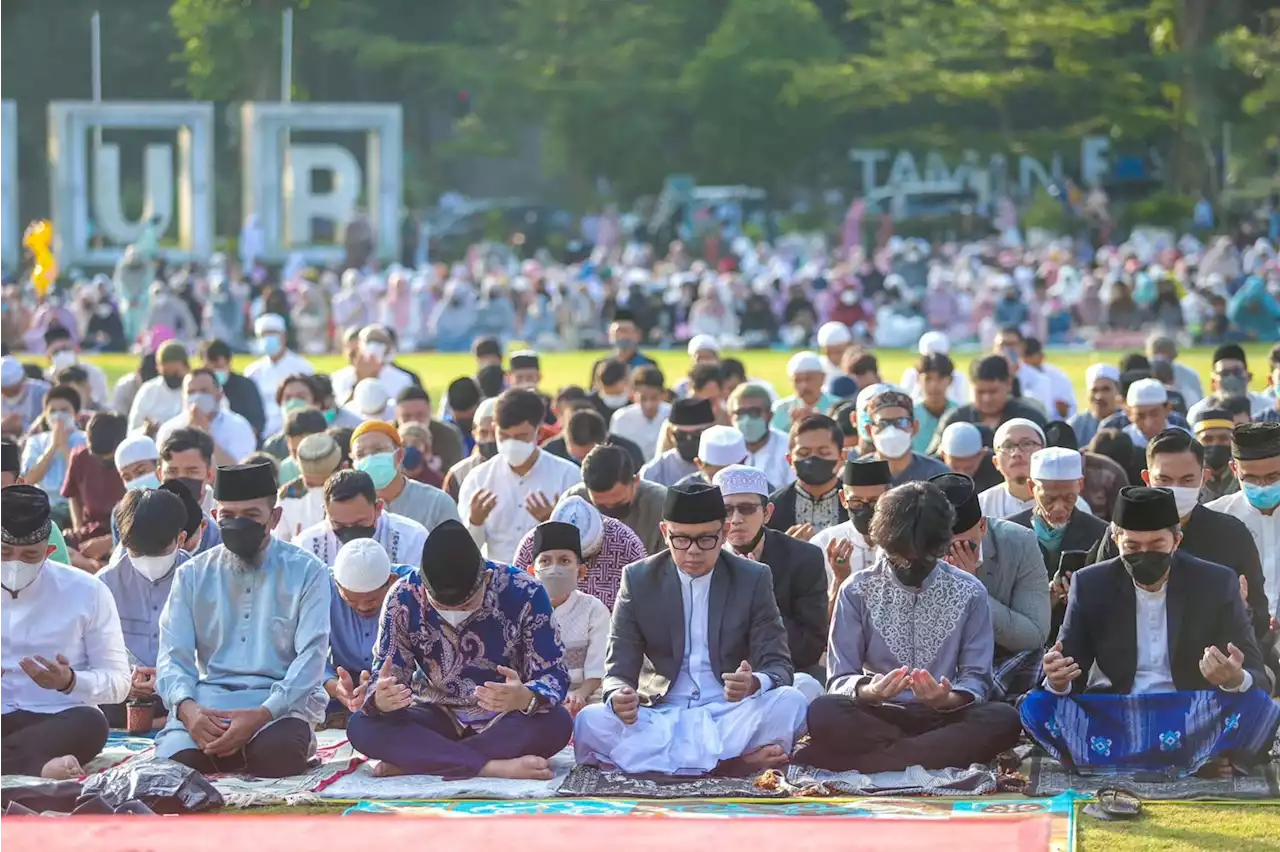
(299, 513)
(629, 422)
(401, 537)
(583, 622)
(344, 381)
(268, 375)
(64, 611)
(1062, 389)
(997, 502)
(1259, 404)
(154, 400)
(771, 460)
(1152, 673)
(229, 431)
(1035, 387)
(957, 391)
(863, 555)
(1265, 530)
(500, 535)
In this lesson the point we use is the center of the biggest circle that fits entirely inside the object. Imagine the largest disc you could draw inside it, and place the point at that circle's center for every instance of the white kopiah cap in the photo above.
(362, 565)
(834, 334)
(487, 409)
(934, 343)
(587, 518)
(740, 479)
(268, 323)
(134, 449)
(11, 372)
(1101, 371)
(703, 343)
(721, 446)
(1056, 464)
(1147, 392)
(804, 362)
(962, 440)
(1009, 425)
(371, 398)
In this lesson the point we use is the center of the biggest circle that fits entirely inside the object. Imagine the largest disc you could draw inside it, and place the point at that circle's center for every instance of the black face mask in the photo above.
(751, 545)
(687, 444)
(173, 382)
(617, 512)
(488, 449)
(195, 486)
(1146, 568)
(353, 532)
(1216, 456)
(861, 518)
(815, 471)
(914, 573)
(242, 536)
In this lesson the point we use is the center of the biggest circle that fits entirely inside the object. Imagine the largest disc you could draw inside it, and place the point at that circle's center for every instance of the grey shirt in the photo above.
(645, 514)
(879, 624)
(425, 504)
(1013, 571)
(139, 602)
(667, 469)
(922, 467)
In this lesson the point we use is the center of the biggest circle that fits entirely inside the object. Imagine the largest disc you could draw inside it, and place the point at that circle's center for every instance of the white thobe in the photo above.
(394, 380)
(997, 502)
(402, 538)
(299, 513)
(863, 556)
(268, 375)
(229, 431)
(1265, 530)
(501, 533)
(629, 422)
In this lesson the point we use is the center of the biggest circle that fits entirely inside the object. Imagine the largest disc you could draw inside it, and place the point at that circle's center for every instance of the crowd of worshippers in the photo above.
(705, 578)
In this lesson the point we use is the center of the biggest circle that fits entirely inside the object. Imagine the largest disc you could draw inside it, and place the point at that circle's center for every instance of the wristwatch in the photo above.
(535, 704)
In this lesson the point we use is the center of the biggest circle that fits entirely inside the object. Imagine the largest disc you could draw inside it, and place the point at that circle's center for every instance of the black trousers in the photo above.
(282, 748)
(30, 740)
(845, 734)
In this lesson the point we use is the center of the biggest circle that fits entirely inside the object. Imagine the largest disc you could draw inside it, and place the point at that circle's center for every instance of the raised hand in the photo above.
(53, 674)
(350, 693)
(142, 683)
(887, 686)
(506, 696)
(741, 683)
(1059, 671)
(626, 705)
(540, 505)
(482, 503)
(963, 558)
(839, 557)
(1224, 670)
(389, 695)
(804, 532)
(935, 693)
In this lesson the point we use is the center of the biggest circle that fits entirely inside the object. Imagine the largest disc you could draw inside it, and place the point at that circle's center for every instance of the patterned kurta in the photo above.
(823, 513)
(621, 547)
(513, 628)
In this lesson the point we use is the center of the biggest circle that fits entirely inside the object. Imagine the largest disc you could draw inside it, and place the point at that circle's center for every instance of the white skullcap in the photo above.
(1057, 464)
(869, 393)
(962, 440)
(486, 409)
(577, 511)
(1147, 392)
(362, 565)
(134, 449)
(703, 343)
(371, 398)
(1009, 425)
(721, 446)
(834, 334)
(804, 362)
(741, 479)
(1101, 371)
(934, 343)
(11, 372)
(268, 323)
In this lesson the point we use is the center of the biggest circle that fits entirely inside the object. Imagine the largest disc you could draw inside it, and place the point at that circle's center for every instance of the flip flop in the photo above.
(1115, 803)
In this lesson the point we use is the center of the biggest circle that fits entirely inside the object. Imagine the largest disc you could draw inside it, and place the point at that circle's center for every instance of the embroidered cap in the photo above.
(961, 440)
(1146, 392)
(741, 479)
(585, 518)
(25, 515)
(834, 334)
(1101, 371)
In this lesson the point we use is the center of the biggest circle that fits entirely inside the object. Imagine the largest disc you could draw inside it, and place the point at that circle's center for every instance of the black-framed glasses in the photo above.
(903, 423)
(710, 541)
(1028, 446)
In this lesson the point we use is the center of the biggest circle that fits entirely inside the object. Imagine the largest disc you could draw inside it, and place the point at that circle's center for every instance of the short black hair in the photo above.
(150, 520)
(1175, 441)
(463, 394)
(913, 522)
(649, 376)
(304, 422)
(1011, 329)
(865, 363)
(413, 393)
(66, 393)
(195, 514)
(992, 368)
(1230, 352)
(56, 334)
(606, 466)
(519, 405)
(1134, 361)
(342, 437)
(1032, 346)
(74, 373)
(1162, 370)
(701, 375)
(732, 368)
(187, 438)
(586, 426)
(612, 371)
(937, 363)
(349, 484)
(492, 380)
(569, 393)
(816, 423)
(321, 387)
(215, 350)
(300, 378)
(486, 347)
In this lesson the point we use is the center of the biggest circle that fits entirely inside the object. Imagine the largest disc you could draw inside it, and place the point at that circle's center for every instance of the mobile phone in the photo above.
(1069, 562)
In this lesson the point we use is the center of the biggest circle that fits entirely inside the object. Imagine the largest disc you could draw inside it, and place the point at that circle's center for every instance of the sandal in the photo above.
(1115, 803)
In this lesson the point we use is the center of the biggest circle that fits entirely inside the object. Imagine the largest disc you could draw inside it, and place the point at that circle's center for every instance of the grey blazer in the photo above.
(1013, 571)
(647, 634)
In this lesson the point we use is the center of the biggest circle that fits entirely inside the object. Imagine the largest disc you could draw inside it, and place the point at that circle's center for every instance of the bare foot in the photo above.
(62, 768)
(765, 757)
(387, 770)
(1218, 768)
(527, 768)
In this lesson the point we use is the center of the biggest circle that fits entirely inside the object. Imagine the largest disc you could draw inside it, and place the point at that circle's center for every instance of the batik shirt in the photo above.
(822, 512)
(512, 627)
(618, 549)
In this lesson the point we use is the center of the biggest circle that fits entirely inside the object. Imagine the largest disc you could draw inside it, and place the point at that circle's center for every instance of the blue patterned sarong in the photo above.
(1156, 732)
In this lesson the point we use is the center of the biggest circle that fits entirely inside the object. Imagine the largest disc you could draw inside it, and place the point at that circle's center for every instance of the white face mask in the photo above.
(16, 575)
(147, 480)
(892, 443)
(375, 349)
(515, 453)
(62, 359)
(454, 616)
(155, 567)
(205, 402)
(615, 400)
(1186, 499)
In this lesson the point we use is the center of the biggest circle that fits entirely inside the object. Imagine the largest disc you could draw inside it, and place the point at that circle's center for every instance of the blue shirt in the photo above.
(512, 627)
(56, 473)
(782, 409)
(352, 635)
(928, 426)
(139, 602)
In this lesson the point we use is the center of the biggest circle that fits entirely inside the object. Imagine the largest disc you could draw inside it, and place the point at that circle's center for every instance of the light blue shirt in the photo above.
(51, 482)
(139, 602)
(782, 409)
(236, 637)
(352, 635)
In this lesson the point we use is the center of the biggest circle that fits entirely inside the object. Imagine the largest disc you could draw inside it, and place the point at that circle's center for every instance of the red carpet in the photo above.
(538, 834)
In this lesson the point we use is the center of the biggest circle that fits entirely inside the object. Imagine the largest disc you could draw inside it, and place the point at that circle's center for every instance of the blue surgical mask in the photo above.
(1264, 498)
(381, 468)
(148, 480)
(293, 404)
(222, 376)
(330, 415)
(1050, 536)
(753, 428)
(412, 458)
(272, 345)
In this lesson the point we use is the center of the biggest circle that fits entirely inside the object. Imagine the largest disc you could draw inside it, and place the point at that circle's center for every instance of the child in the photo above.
(935, 371)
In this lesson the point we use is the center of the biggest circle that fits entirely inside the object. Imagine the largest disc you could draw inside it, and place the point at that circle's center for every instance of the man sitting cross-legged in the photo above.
(481, 634)
(720, 687)
(909, 661)
(1179, 678)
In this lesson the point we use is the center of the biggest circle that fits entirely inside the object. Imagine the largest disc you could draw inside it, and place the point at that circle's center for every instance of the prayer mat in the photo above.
(360, 784)
(1048, 777)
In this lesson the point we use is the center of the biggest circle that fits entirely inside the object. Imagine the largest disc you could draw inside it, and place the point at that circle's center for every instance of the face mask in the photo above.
(173, 382)
(559, 580)
(222, 376)
(195, 486)
(454, 616)
(1186, 498)
(147, 480)
(687, 445)
(62, 359)
(753, 428)
(892, 443)
(615, 400)
(353, 532)
(293, 404)
(272, 346)
(515, 453)
(488, 449)
(815, 471)
(625, 344)
(412, 458)
(204, 402)
(61, 417)
(750, 546)
(1146, 569)
(862, 517)
(330, 415)
(155, 567)
(1050, 536)
(381, 468)
(242, 536)
(914, 573)
(1264, 498)
(1217, 456)
(1233, 385)
(375, 350)
(16, 575)
(102, 311)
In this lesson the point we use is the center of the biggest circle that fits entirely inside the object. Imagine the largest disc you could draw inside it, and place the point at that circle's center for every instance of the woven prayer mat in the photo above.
(359, 784)
(1048, 777)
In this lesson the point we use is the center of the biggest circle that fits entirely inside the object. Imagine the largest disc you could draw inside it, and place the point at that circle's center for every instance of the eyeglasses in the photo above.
(710, 541)
(746, 510)
(1028, 447)
(903, 423)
